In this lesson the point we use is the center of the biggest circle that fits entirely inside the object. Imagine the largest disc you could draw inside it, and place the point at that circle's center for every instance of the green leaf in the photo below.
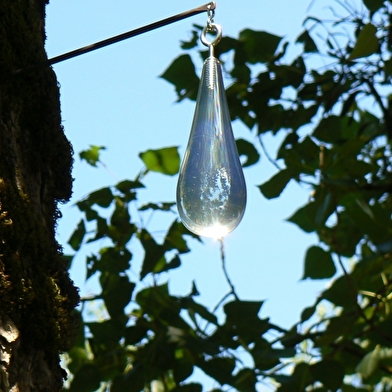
(292, 337)
(351, 388)
(91, 214)
(90, 264)
(132, 381)
(245, 380)
(158, 303)
(289, 142)
(220, 369)
(235, 93)
(307, 313)
(341, 292)
(349, 104)
(101, 229)
(266, 357)
(191, 387)
(276, 184)
(308, 92)
(305, 217)
(240, 310)
(388, 67)
(318, 264)
(298, 381)
(369, 363)
(127, 186)
(87, 379)
(102, 197)
(201, 310)
(242, 319)
(79, 357)
(290, 75)
(349, 354)
(334, 129)
(67, 260)
(226, 44)
(175, 262)
(154, 258)
(337, 238)
(183, 368)
(382, 335)
(306, 39)
(157, 206)
(309, 154)
(116, 292)
(113, 260)
(367, 42)
(121, 229)
(77, 236)
(154, 298)
(192, 43)
(272, 119)
(91, 156)
(330, 373)
(108, 331)
(165, 160)
(248, 149)
(135, 333)
(265, 88)
(79, 340)
(373, 5)
(120, 217)
(175, 238)
(259, 46)
(181, 73)
(242, 73)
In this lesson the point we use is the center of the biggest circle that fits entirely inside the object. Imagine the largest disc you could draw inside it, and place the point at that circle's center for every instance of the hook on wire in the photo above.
(211, 27)
(210, 13)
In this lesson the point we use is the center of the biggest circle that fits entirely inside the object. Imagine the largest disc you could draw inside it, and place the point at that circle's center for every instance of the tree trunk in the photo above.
(37, 297)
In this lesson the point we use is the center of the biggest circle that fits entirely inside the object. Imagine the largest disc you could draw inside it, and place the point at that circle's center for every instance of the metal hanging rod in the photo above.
(129, 34)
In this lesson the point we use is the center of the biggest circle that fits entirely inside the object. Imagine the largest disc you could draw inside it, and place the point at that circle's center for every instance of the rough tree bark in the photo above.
(37, 297)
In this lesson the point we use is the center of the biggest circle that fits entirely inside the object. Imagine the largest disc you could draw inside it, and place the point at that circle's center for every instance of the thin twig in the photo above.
(223, 258)
(221, 301)
(378, 99)
(354, 292)
(92, 298)
(267, 154)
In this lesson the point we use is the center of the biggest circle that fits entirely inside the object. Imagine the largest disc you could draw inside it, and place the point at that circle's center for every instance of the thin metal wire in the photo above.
(209, 7)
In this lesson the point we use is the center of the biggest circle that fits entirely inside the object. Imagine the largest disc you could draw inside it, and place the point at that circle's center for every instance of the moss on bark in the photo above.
(36, 292)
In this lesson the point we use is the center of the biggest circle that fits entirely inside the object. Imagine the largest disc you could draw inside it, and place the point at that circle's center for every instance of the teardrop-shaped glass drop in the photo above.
(211, 190)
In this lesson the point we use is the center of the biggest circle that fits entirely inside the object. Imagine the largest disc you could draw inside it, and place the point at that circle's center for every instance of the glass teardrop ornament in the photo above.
(211, 189)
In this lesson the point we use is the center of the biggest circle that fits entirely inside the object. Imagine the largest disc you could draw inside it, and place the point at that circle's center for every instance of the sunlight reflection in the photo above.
(216, 231)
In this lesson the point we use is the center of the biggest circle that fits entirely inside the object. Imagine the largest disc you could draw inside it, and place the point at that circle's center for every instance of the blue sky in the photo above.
(113, 97)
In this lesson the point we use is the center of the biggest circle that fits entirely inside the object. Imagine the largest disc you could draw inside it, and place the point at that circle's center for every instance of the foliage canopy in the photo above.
(333, 144)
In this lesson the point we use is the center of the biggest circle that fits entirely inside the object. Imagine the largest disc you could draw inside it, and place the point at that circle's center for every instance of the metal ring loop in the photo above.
(214, 27)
